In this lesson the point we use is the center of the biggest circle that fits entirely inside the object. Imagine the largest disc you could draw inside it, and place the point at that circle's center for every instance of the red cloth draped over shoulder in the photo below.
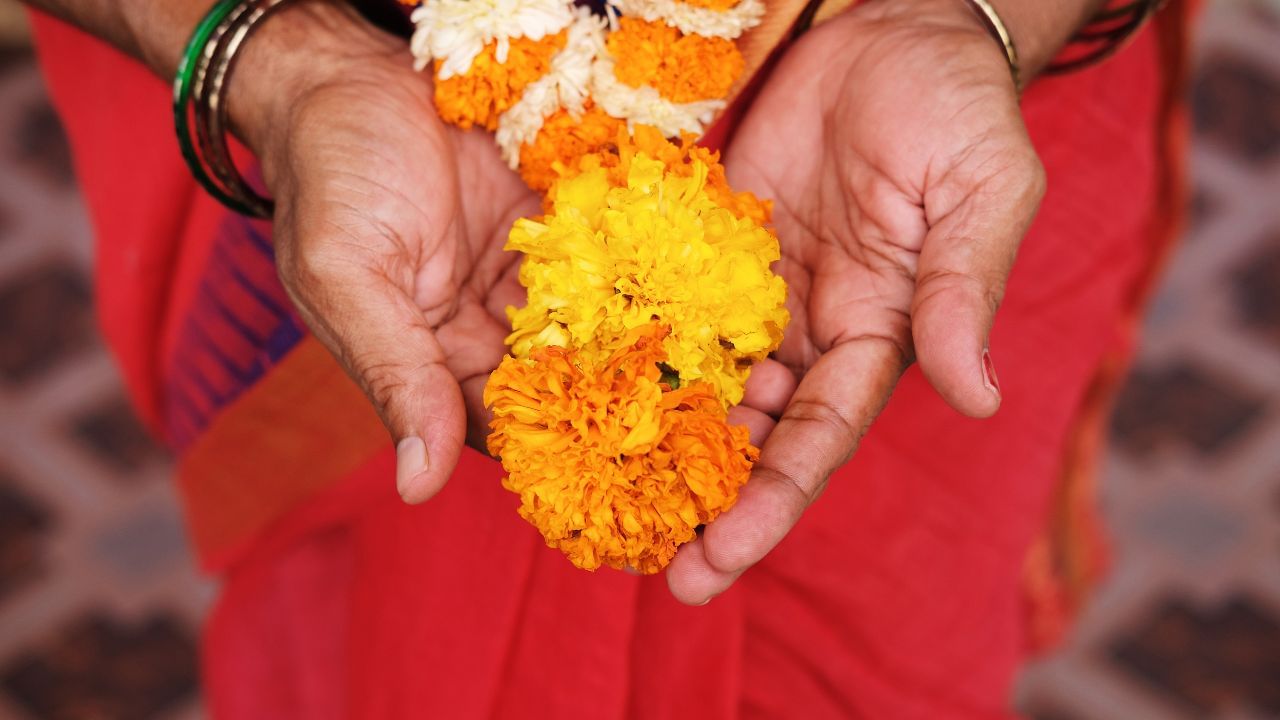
(897, 596)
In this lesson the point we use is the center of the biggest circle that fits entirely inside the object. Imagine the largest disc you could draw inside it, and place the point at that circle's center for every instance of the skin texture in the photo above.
(904, 187)
(890, 139)
(390, 243)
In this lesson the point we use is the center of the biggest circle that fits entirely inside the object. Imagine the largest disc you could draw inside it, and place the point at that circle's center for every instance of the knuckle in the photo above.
(797, 496)
(383, 382)
(396, 385)
(938, 283)
(898, 343)
(994, 296)
(948, 287)
(303, 264)
(319, 262)
(831, 423)
(1030, 173)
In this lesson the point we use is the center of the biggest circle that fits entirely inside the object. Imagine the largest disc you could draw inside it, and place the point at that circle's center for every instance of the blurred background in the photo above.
(100, 608)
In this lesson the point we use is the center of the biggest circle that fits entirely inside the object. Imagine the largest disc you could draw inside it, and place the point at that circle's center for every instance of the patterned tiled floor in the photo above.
(1188, 625)
(100, 607)
(99, 604)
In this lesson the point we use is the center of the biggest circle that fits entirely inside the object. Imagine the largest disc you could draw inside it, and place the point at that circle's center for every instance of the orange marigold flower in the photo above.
(679, 158)
(713, 4)
(563, 141)
(612, 465)
(682, 68)
(489, 87)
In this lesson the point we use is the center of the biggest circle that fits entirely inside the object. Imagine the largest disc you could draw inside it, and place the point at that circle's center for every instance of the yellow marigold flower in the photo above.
(608, 259)
(682, 68)
(489, 87)
(679, 158)
(611, 465)
(563, 141)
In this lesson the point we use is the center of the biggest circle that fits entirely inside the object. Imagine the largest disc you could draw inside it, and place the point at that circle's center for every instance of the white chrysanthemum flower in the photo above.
(694, 20)
(566, 85)
(645, 106)
(455, 31)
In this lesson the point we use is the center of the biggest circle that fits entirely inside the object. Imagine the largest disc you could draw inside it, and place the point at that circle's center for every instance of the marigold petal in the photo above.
(490, 86)
(682, 68)
(617, 469)
(638, 236)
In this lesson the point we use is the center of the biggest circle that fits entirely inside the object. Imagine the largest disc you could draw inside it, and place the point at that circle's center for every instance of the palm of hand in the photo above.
(903, 179)
(881, 168)
(390, 230)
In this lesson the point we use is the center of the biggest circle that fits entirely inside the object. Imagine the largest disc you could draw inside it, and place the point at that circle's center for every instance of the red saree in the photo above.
(901, 594)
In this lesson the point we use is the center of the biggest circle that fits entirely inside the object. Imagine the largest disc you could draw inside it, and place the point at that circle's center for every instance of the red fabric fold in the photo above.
(897, 596)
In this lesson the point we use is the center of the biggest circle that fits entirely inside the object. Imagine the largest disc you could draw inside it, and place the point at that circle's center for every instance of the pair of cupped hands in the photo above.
(889, 139)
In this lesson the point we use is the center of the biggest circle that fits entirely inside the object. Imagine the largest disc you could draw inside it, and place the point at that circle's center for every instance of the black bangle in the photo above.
(199, 87)
(1106, 34)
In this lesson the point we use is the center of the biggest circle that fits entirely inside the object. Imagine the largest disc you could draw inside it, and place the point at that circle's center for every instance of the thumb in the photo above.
(964, 263)
(384, 342)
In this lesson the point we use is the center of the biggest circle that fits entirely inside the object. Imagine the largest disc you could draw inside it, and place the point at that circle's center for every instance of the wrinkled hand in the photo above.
(891, 141)
(389, 228)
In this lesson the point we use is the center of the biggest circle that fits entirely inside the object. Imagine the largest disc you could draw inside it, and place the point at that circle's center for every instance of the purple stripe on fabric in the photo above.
(238, 327)
(241, 376)
(259, 241)
(224, 312)
(256, 292)
(283, 339)
(212, 396)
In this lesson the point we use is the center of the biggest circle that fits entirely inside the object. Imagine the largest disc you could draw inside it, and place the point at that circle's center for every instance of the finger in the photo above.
(831, 409)
(964, 263)
(478, 416)
(384, 342)
(757, 423)
(686, 575)
(473, 343)
(769, 387)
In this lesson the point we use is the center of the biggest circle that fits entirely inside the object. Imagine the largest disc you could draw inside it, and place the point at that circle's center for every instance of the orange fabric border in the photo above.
(302, 428)
(1071, 555)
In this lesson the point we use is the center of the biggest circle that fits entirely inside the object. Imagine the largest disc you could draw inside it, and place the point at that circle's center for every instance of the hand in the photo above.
(903, 178)
(389, 226)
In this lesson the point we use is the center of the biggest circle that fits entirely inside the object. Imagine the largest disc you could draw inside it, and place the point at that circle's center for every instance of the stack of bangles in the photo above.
(1104, 35)
(650, 289)
(217, 40)
(199, 103)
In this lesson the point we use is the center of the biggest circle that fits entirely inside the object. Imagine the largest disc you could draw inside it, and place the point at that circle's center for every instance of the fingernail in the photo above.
(989, 378)
(411, 461)
(704, 602)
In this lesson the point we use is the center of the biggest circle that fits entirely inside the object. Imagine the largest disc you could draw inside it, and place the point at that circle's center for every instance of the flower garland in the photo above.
(650, 293)
(710, 18)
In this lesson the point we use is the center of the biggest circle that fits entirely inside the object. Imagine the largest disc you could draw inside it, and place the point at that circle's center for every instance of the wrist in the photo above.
(1038, 29)
(1041, 29)
(309, 44)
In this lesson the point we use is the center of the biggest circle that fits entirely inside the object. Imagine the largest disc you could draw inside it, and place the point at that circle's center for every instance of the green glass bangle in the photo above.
(211, 103)
(182, 92)
(206, 85)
